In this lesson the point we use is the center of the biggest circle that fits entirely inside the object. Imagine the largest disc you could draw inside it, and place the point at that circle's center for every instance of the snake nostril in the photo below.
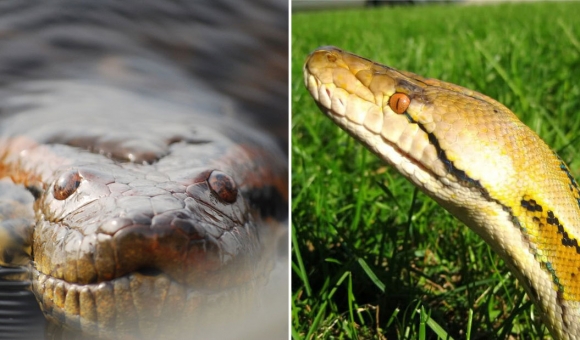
(223, 186)
(330, 57)
(66, 184)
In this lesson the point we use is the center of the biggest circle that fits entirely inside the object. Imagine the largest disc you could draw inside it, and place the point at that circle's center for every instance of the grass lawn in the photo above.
(373, 257)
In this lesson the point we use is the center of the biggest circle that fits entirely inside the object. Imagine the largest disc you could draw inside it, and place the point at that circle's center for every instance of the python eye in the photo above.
(399, 102)
(66, 184)
(223, 186)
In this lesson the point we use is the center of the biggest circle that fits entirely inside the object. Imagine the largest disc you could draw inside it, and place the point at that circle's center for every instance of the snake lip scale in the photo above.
(475, 158)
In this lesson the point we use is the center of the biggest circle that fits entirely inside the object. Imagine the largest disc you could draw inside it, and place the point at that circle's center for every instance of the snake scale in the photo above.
(475, 158)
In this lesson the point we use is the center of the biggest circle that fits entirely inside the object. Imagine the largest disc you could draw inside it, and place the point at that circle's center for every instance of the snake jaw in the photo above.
(135, 303)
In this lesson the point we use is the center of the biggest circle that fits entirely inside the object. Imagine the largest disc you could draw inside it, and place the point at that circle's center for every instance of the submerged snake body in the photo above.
(140, 199)
(475, 158)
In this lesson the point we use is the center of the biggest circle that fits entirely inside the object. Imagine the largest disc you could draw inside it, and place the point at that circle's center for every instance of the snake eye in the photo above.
(399, 102)
(66, 184)
(223, 186)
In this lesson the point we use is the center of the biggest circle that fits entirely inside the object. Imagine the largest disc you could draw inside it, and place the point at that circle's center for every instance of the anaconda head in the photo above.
(160, 219)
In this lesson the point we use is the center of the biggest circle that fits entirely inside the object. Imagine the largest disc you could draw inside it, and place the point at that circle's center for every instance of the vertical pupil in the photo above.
(399, 102)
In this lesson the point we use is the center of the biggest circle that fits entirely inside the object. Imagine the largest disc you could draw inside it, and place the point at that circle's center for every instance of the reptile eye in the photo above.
(223, 186)
(399, 102)
(66, 184)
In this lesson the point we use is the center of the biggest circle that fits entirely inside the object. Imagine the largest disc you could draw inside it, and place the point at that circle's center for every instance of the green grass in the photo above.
(372, 256)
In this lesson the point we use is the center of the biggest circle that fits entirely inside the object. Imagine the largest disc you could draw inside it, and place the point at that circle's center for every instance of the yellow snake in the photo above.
(475, 158)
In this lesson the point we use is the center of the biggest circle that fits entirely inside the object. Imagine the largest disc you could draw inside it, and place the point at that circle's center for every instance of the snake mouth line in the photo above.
(135, 302)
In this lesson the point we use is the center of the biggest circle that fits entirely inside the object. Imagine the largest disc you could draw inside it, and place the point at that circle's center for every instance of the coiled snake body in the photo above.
(475, 158)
